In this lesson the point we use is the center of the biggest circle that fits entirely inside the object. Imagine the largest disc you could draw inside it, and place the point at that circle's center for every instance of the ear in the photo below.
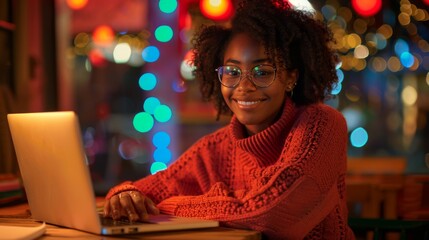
(292, 76)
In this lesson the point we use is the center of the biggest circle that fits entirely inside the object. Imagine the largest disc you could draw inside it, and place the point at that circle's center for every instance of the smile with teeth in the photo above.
(247, 103)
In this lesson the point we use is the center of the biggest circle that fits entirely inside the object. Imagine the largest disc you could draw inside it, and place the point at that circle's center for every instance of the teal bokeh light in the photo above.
(337, 88)
(163, 33)
(147, 81)
(157, 166)
(161, 139)
(143, 122)
(162, 113)
(359, 137)
(150, 104)
(150, 54)
(340, 75)
(167, 6)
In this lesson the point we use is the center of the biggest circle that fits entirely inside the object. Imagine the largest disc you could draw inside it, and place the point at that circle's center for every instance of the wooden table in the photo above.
(19, 215)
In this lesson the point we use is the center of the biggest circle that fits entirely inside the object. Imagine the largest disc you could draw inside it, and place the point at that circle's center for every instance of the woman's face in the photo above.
(255, 107)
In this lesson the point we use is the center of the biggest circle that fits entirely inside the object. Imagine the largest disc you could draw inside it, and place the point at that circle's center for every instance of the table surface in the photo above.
(19, 215)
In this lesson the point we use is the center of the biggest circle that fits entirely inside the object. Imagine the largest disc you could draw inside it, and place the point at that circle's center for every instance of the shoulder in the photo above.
(323, 114)
(320, 110)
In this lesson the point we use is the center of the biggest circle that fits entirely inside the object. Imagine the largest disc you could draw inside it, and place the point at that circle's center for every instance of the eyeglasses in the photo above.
(260, 75)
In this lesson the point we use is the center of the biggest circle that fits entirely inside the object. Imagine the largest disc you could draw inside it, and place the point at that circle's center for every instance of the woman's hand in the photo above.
(130, 204)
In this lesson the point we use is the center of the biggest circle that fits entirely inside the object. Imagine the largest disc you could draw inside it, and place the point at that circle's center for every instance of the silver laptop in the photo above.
(57, 180)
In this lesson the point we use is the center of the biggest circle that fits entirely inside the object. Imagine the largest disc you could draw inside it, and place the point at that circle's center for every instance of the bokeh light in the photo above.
(336, 89)
(407, 59)
(162, 155)
(163, 33)
(353, 117)
(150, 54)
(157, 166)
(161, 139)
(167, 6)
(143, 122)
(409, 95)
(103, 35)
(359, 137)
(122, 53)
(96, 57)
(217, 10)
(147, 81)
(130, 149)
(366, 8)
(401, 46)
(179, 86)
(150, 104)
(162, 113)
(76, 4)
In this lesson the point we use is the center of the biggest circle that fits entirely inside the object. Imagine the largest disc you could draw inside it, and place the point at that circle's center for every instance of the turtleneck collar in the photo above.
(266, 145)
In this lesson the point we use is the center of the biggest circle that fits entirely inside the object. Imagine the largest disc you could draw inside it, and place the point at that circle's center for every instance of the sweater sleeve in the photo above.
(291, 197)
(189, 175)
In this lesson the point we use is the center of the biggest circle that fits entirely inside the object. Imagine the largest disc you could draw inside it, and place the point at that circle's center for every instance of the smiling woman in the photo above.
(279, 166)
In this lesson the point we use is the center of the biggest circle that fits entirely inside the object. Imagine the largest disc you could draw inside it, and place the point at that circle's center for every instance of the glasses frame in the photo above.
(245, 73)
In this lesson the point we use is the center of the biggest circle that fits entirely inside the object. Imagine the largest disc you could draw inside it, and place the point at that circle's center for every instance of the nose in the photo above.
(246, 82)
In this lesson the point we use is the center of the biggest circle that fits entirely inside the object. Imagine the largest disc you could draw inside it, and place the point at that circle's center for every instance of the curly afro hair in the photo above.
(293, 39)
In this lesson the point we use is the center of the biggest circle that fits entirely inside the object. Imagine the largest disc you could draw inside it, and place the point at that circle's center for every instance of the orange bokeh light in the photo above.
(103, 35)
(76, 4)
(216, 9)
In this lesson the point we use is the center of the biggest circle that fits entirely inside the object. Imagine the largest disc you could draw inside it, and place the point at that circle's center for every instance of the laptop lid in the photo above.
(53, 167)
(57, 180)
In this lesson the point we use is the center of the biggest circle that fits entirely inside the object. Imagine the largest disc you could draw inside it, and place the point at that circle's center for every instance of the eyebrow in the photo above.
(257, 61)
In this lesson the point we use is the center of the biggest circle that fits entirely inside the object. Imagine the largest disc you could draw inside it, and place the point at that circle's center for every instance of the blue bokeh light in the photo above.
(150, 54)
(161, 139)
(162, 155)
(401, 46)
(407, 59)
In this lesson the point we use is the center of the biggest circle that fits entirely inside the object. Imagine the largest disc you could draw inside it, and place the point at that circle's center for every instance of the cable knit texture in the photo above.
(287, 181)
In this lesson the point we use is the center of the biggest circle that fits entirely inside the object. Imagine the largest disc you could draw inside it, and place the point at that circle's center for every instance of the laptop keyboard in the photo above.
(122, 222)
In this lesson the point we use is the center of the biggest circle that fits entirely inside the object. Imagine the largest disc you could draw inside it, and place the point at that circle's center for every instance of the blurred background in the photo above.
(123, 67)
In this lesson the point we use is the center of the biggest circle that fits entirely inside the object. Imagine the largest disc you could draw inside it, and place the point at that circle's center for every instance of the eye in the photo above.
(263, 71)
(232, 72)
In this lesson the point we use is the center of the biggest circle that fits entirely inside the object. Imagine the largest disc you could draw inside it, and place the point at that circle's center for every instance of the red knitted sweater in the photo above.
(287, 181)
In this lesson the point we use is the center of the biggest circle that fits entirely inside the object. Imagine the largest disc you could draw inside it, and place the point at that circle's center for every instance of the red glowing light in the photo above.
(426, 2)
(366, 8)
(96, 58)
(76, 4)
(217, 10)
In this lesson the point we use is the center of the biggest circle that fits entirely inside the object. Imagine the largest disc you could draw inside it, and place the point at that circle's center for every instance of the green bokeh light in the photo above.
(162, 113)
(164, 33)
(143, 122)
(157, 166)
(167, 6)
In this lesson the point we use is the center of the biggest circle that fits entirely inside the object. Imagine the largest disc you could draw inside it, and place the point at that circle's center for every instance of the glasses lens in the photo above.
(263, 75)
(229, 76)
